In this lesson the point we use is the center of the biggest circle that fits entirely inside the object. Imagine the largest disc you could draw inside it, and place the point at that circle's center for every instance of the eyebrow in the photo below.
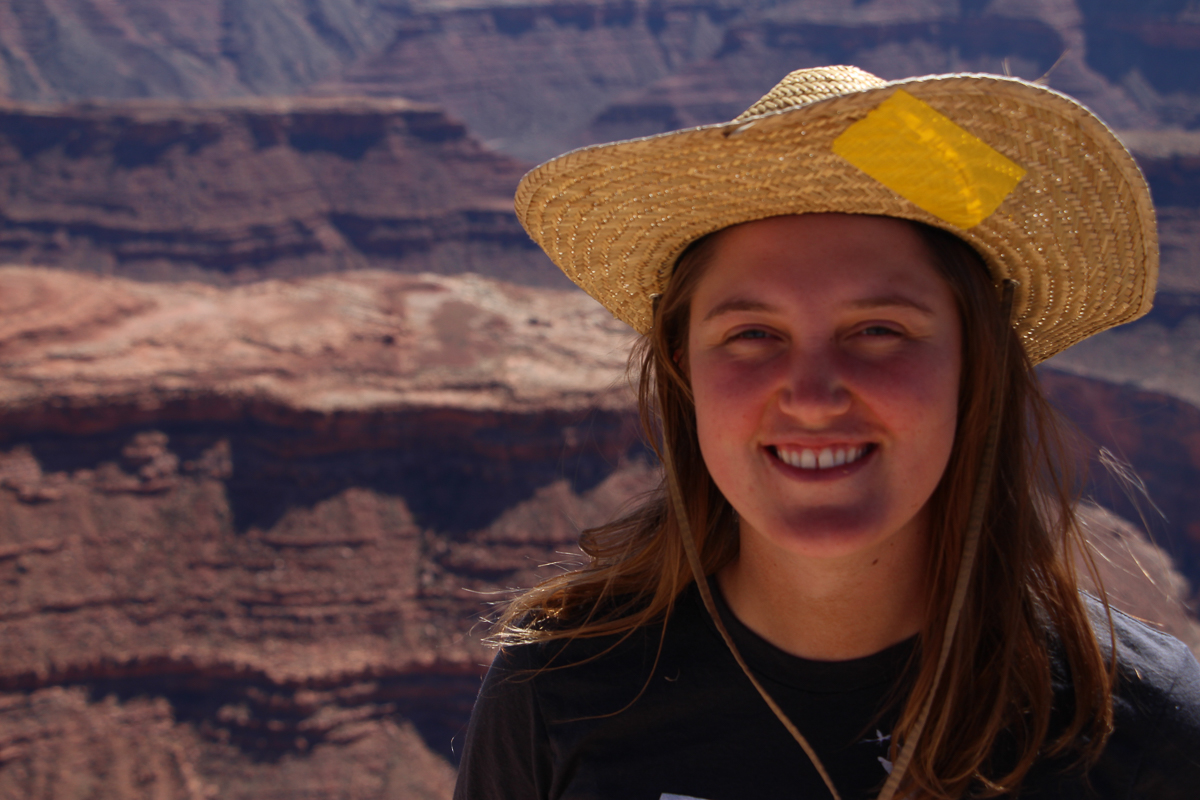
(735, 304)
(886, 300)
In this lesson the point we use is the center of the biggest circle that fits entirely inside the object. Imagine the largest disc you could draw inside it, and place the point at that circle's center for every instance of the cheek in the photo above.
(942, 394)
(728, 416)
(915, 398)
(729, 397)
(922, 408)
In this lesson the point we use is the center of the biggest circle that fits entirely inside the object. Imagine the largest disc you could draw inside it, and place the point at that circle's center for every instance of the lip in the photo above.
(834, 472)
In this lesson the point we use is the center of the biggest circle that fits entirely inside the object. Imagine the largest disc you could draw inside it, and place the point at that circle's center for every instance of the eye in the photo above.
(749, 336)
(752, 333)
(879, 330)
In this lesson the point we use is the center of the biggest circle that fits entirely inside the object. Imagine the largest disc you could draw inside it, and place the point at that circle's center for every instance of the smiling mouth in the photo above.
(817, 459)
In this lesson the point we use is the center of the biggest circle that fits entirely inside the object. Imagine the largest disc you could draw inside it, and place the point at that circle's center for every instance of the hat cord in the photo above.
(961, 581)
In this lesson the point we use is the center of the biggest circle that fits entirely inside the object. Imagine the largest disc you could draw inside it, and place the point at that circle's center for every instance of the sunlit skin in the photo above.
(824, 332)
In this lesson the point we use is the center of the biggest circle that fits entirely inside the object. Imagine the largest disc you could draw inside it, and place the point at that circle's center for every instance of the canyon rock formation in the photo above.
(537, 76)
(246, 535)
(242, 190)
(56, 50)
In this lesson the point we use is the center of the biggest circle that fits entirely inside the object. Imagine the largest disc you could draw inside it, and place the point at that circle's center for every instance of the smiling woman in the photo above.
(863, 546)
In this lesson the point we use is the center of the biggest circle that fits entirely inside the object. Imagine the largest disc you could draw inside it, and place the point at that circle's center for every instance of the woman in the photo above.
(857, 580)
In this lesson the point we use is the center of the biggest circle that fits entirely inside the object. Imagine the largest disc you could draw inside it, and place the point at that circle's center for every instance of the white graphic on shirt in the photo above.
(665, 796)
(880, 738)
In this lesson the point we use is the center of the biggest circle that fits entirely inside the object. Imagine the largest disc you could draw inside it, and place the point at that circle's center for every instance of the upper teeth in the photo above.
(807, 458)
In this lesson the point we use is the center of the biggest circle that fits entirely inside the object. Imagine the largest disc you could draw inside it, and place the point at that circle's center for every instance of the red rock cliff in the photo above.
(246, 535)
(238, 191)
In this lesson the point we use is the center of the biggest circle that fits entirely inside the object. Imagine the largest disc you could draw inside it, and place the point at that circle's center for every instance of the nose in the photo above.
(814, 390)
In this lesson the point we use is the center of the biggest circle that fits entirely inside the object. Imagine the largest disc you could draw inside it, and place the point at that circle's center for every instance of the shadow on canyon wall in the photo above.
(457, 472)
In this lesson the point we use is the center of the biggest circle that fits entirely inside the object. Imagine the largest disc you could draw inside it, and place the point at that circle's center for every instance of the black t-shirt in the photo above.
(618, 719)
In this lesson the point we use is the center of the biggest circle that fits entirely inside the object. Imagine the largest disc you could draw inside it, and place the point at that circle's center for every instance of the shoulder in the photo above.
(518, 729)
(553, 676)
(570, 653)
(505, 755)
(1156, 709)
(550, 656)
(1157, 673)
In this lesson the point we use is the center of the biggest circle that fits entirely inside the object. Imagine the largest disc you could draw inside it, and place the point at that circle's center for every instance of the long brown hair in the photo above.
(1023, 600)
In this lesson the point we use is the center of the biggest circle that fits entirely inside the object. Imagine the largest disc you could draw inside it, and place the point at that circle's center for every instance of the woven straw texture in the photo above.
(1077, 232)
(805, 86)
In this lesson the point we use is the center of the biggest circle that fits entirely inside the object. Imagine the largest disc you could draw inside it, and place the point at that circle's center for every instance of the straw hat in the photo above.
(1030, 178)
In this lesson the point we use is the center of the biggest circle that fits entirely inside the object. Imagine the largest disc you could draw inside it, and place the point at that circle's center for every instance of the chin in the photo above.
(828, 533)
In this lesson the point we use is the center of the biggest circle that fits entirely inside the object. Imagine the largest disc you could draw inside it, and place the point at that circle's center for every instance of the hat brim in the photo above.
(1077, 232)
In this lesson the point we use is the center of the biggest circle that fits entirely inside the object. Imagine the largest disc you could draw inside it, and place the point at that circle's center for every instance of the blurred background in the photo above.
(288, 400)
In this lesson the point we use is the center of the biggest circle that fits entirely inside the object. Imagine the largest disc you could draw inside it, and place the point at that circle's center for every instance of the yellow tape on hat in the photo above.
(927, 159)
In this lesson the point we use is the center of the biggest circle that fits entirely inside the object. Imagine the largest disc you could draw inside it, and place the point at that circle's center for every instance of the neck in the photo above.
(829, 609)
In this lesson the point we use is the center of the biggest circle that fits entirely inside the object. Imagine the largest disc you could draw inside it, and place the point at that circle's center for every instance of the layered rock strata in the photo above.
(241, 190)
(60, 50)
(247, 535)
(529, 76)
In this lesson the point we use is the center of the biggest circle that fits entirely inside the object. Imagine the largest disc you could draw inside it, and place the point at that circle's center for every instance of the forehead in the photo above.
(834, 256)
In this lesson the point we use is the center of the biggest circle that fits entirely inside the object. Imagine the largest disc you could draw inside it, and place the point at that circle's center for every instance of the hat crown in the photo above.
(805, 86)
